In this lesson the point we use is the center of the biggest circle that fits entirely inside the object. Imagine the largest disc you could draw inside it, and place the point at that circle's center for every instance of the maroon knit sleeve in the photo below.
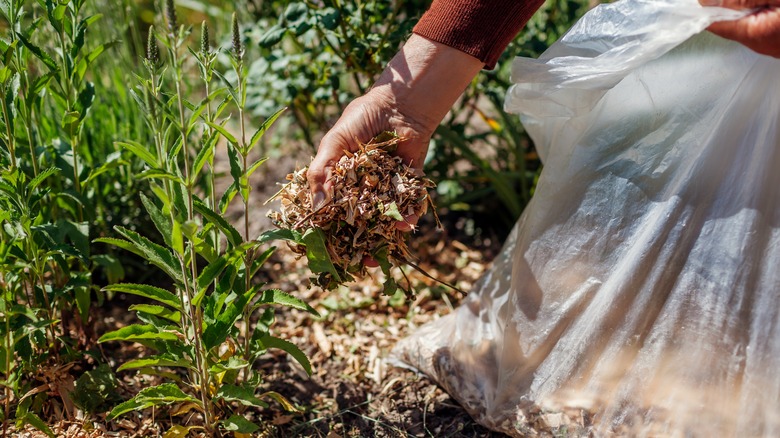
(481, 28)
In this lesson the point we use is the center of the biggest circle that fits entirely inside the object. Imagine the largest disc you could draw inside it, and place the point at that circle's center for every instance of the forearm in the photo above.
(425, 79)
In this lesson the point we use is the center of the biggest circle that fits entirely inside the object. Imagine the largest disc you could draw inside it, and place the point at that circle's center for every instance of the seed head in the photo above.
(237, 49)
(152, 51)
(170, 15)
(204, 38)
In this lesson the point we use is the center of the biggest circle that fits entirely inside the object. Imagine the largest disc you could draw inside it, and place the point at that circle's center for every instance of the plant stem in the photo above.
(8, 354)
(74, 137)
(194, 311)
(244, 150)
(9, 134)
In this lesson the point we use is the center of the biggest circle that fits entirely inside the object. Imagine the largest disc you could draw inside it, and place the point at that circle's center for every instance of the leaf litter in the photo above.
(371, 191)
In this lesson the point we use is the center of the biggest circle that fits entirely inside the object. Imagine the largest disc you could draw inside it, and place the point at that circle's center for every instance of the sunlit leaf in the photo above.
(273, 342)
(239, 424)
(317, 253)
(164, 394)
(135, 332)
(144, 290)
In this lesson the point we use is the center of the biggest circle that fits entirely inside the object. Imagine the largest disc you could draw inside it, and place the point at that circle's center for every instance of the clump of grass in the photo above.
(372, 191)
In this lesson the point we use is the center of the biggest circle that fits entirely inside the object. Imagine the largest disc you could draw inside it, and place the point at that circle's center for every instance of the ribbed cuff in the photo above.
(481, 28)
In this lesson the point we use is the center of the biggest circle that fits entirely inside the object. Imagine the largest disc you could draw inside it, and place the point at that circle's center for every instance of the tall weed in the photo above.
(202, 326)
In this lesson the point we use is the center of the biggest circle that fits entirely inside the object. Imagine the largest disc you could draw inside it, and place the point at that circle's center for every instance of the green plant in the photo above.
(319, 55)
(45, 268)
(325, 53)
(202, 326)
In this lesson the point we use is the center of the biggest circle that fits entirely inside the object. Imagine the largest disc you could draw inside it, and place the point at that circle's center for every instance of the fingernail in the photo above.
(318, 200)
(711, 2)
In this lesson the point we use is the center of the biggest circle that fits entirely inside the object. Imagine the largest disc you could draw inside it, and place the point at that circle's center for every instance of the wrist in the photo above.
(424, 80)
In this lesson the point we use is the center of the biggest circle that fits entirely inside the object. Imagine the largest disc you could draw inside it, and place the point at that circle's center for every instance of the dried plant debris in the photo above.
(372, 190)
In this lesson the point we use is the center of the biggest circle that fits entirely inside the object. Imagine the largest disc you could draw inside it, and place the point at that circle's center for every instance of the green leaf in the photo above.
(272, 36)
(152, 252)
(235, 165)
(160, 174)
(158, 311)
(139, 151)
(205, 155)
(229, 88)
(163, 224)
(282, 400)
(233, 236)
(35, 421)
(81, 30)
(264, 127)
(280, 234)
(329, 18)
(136, 332)
(85, 99)
(144, 290)
(241, 394)
(389, 287)
(111, 265)
(295, 13)
(269, 341)
(10, 100)
(39, 84)
(83, 299)
(207, 276)
(155, 361)
(317, 254)
(215, 333)
(391, 210)
(227, 197)
(239, 424)
(42, 177)
(70, 121)
(276, 296)
(255, 165)
(259, 260)
(224, 132)
(95, 389)
(113, 162)
(164, 394)
(38, 52)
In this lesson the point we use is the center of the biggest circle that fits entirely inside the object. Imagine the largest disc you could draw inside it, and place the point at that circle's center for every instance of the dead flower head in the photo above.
(372, 190)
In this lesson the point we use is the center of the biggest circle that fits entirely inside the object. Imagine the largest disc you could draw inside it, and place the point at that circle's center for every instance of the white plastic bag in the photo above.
(639, 293)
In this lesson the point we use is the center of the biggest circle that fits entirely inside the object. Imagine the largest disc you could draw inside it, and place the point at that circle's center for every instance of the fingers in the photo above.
(740, 4)
(759, 31)
(370, 262)
(408, 224)
(318, 173)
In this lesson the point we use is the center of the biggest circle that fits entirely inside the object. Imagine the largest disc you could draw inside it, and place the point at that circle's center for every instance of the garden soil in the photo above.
(352, 392)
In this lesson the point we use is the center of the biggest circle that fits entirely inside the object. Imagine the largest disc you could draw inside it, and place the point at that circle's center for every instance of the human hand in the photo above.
(411, 97)
(362, 120)
(759, 31)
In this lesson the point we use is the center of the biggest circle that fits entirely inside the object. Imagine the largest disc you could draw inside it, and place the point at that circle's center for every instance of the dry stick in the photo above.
(421, 271)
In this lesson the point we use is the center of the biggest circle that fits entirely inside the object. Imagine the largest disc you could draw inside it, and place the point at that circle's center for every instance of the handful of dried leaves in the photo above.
(372, 190)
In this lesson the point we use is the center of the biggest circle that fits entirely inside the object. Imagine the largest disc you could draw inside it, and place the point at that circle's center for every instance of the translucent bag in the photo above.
(639, 293)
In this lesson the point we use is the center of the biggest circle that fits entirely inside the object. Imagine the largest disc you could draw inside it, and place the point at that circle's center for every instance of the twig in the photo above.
(427, 275)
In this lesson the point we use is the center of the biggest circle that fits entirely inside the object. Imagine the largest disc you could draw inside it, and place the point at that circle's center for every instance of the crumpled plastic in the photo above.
(639, 293)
